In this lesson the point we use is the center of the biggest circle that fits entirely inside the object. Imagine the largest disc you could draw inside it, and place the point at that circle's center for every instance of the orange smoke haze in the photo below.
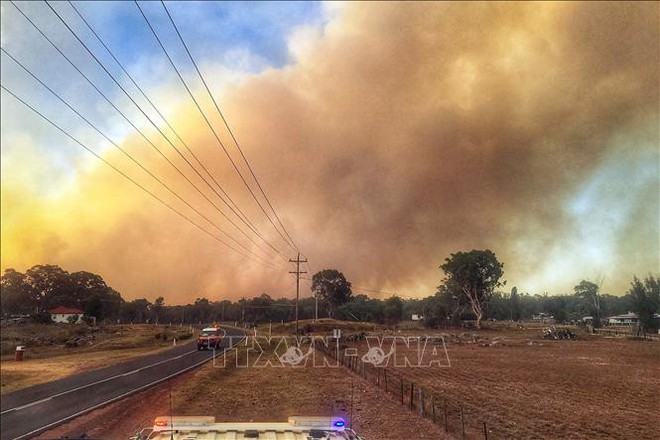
(399, 133)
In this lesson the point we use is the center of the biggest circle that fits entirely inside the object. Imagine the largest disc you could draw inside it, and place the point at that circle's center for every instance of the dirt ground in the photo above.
(259, 394)
(47, 349)
(519, 384)
(525, 387)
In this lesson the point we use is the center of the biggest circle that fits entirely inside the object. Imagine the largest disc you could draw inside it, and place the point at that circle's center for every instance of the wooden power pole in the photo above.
(297, 272)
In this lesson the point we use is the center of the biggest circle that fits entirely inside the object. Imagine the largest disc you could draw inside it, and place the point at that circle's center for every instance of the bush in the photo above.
(42, 318)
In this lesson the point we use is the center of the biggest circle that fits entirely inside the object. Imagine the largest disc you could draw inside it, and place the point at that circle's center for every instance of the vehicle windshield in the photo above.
(209, 333)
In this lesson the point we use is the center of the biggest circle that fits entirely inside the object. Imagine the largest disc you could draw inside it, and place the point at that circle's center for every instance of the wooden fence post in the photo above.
(485, 431)
(433, 407)
(422, 409)
(412, 395)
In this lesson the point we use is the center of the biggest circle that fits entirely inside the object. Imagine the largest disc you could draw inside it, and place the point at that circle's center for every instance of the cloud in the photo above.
(402, 133)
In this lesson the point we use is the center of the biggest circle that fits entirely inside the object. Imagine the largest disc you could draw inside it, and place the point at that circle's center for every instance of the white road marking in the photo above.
(45, 427)
(27, 405)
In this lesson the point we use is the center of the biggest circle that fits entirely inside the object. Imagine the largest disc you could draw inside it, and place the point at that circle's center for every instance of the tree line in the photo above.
(472, 289)
(44, 287)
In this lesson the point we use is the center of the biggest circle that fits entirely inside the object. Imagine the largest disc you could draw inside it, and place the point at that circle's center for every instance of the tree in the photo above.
(361, 308)
(94, 307)
(475, 275)
(590, 296)
(50, 284)
(43, 287)
(646, 300)
(157, 308)
(331, 287)
(514, 301)
(201, 311)
(135, 311)
(16, 294)
(393, 310)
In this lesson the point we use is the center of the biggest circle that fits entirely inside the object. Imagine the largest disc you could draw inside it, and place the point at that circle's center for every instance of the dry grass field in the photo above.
(258, 394)
(526, 387)
(51, 348)
(522, 386)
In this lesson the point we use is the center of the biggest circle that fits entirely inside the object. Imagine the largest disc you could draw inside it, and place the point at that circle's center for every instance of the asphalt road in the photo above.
(28, 412)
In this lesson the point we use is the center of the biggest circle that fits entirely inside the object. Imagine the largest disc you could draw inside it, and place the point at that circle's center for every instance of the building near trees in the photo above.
(66, 315)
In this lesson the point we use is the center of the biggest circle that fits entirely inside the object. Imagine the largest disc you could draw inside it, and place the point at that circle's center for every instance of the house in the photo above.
(625, 319)
(66, 315)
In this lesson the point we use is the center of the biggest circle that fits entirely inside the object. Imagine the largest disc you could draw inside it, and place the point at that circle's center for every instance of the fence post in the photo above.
(378, 376)
(402, 402)
(485, 432)
(462, 424)
(433, 407)
(385, 377)
(446, 425)
(412, 391)
(422, 409)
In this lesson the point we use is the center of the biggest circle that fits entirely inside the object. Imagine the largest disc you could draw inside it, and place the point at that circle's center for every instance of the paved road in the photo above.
(32, 410)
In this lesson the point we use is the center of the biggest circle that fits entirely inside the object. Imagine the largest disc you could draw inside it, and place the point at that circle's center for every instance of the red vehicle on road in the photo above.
(210, 338)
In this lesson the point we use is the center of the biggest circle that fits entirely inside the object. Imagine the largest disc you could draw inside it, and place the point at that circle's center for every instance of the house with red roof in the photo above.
(66, 315)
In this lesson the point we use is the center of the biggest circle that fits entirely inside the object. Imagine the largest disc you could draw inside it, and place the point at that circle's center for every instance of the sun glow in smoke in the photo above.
(396, 135)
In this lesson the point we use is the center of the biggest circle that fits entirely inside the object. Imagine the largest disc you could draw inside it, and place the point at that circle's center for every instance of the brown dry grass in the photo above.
(592, 388)
(259, 394)
(526, 387)
(46, 350)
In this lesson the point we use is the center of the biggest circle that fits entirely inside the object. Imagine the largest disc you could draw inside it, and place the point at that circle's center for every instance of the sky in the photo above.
(386, 136)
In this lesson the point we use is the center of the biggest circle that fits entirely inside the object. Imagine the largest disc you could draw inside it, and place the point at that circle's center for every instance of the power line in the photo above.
(164, 136)
(215, 134)
(217, 107)
(366, 289)
(240, 214)
(122, 114)
(128, 155)
(129, 178)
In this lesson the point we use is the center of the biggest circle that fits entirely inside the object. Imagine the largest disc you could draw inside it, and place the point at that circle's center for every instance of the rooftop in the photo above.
(61, 310)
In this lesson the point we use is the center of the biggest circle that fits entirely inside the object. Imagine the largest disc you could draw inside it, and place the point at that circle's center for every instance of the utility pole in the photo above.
(297, 272)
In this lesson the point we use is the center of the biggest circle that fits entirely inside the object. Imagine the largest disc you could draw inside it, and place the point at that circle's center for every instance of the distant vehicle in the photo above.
(203, 427)
(210, 338)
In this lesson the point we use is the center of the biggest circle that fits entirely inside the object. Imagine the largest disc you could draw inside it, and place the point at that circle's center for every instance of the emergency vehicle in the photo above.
(209, 338)
(203, 428)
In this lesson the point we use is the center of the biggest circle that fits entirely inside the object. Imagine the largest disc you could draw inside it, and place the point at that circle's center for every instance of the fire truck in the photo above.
(203, 427)
(210, 338)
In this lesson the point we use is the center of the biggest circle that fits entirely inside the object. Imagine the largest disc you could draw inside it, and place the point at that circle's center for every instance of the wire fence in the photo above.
(456, 417)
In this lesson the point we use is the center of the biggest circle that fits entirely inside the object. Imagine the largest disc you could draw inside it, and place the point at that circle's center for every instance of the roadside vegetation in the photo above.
(472, 287)
(64, 349)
